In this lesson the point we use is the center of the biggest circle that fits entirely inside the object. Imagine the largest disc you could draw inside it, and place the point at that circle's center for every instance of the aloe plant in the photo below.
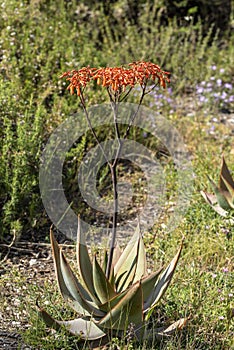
(222, 201)
(105, 305)
(117, 292)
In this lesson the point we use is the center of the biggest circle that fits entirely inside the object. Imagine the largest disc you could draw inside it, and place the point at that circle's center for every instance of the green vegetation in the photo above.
(40, 40)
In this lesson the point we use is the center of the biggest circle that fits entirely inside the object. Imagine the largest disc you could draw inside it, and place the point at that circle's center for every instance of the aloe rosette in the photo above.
(222, 201)
(104, 305)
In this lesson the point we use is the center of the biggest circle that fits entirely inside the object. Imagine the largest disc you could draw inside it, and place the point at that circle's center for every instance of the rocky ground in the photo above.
(30, 263)
(25, 266)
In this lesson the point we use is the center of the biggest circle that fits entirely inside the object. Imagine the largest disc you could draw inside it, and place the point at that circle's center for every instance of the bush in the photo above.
(39, 40)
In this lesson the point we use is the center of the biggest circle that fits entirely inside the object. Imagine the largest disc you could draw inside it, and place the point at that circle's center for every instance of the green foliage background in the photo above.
(41, 39)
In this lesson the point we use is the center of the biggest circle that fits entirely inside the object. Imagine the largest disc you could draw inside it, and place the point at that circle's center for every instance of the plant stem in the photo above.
(113, 169)
(114, 221)
(135, 114)
(114, 100)
(91, 127)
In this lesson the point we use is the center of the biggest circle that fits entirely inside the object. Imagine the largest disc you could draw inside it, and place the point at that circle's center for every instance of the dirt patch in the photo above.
(27, 267)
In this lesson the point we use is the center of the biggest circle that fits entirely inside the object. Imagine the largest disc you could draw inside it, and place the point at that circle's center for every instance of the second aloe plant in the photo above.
(222, 201)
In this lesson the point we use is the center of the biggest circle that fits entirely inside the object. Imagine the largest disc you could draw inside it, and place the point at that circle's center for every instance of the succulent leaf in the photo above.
(220, 195)
(129, 247)
(211, 199)
(162, 283)
(128, 310)
(131, 261)
(87, 330)
(76, 289)
(148, 283)
(116, 255)
(49, 320)
(230, 192)
(223, 200)
(141, 261)
(61, 283)
(105, 260)
(103, 288)
(110, 304)
(225, 177)
(84, 264)
(70, 280)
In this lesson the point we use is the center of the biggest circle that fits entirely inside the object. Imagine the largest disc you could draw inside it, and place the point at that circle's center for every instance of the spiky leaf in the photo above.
(76, 289)
(128, 310)
(132, 261)
(103, 288)
(167, 331)
(66, 293)
(148, 283)
(116, 255)
(230, 193)
(87, 330)
(111, 303)
(211, 199)
(162, 283)
(221, 195)
(141, 260)
(84, 264)
(105, 260)
(225, 177)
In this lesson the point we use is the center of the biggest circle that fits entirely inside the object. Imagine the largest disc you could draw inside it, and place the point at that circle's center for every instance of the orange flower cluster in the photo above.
(78, 78)
(144, 71)
(116, 78)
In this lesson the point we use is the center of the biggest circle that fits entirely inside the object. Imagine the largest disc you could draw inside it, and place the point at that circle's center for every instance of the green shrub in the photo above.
(41, 39)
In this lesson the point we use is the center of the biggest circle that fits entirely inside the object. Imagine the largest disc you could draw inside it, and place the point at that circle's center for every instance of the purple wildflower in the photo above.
(224, 95)
(169, 90)
(200, 90)
(219, 82)
(228, 86)
(203, 99)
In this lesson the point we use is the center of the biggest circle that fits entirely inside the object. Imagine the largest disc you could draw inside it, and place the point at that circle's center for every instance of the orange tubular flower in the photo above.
(78, 78)
(147, 70)
(116, 78)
